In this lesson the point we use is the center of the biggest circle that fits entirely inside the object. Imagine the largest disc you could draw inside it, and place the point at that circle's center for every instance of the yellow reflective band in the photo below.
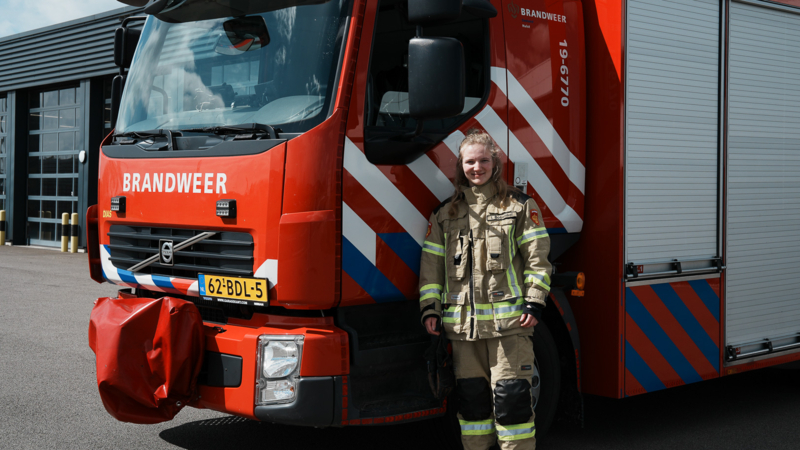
(516, 432)
(511, 274)
(483, 311)
(482, 427)
(536, 281)
(451, 315)
(424, 249)
(509, 315)
(441, 247)
(431, 286)
(537, 233)
(446, 283)
(430, 291)
(541, 275)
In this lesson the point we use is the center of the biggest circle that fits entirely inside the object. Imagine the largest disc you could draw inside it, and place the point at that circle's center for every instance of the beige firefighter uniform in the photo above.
(481, 270)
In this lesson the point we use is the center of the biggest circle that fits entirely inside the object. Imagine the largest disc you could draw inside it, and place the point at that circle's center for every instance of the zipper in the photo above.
(471, 289)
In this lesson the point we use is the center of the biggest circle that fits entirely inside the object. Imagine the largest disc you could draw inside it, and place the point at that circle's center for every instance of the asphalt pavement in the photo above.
(49, 399)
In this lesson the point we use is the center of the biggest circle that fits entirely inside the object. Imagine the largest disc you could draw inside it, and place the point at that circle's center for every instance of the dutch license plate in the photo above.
(233, 289)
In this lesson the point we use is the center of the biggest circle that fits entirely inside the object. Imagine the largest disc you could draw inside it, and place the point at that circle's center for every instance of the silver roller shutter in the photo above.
(763, 214)
(672, 133)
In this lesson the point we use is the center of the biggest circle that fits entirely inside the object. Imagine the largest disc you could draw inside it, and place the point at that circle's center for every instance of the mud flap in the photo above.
(149, 354)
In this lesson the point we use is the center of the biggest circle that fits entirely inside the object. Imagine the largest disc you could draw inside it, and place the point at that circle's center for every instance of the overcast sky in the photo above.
(17, 16)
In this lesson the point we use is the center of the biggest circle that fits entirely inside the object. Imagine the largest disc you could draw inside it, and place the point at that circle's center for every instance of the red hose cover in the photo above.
(149, 354)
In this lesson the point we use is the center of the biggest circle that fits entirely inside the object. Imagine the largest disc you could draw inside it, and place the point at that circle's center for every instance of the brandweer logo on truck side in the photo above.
(515, 11)
(194, 183)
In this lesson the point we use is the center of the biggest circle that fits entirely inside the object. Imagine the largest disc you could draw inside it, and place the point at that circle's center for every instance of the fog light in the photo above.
(281, 390)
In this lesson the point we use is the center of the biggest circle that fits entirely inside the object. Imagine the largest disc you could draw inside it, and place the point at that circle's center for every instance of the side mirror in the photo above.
(241, 35)
(125, 41)
(116, 96)
(422, 12)
(436, 85)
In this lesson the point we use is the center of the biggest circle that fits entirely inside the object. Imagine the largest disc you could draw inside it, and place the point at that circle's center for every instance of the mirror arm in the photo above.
(163, 94)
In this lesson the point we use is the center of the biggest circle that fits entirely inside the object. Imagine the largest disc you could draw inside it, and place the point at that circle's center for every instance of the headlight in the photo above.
(280, 359)
(279, 365)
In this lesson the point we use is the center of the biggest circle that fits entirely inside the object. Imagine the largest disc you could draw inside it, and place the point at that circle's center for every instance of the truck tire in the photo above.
(545, 385)
(547, 388)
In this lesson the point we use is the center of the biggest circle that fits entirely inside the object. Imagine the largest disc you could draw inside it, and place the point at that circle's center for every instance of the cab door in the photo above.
(386, 207)
(546, 106)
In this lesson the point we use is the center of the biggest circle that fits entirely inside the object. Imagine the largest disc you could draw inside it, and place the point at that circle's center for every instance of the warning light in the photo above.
(580, 281)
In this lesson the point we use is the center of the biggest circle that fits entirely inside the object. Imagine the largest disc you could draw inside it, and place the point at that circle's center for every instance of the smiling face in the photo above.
(476, 161)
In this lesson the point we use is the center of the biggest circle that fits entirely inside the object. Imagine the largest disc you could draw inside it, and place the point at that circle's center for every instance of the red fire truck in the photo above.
(275, 163)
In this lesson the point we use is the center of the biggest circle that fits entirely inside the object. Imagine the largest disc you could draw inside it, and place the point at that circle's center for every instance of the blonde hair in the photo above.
(478, 137)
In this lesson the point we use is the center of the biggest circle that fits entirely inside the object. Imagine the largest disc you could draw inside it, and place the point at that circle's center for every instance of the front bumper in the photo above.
(312, 407)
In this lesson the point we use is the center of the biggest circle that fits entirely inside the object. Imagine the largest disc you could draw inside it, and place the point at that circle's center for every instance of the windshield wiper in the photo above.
(245, 128)
(144, 134)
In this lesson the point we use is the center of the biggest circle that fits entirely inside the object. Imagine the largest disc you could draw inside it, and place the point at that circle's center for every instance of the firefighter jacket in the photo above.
(479, 266)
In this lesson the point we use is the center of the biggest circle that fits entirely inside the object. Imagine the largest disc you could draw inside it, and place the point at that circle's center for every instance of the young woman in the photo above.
(485, 278)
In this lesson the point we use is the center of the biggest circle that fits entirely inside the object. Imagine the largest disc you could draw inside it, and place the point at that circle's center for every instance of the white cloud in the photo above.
(18, 16)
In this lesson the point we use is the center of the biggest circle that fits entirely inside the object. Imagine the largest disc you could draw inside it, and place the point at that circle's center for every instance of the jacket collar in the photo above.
(480, 194)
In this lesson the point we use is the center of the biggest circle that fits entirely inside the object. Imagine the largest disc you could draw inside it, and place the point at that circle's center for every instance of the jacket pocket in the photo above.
(454, 312)
(457, 253)
(507, 311)
(498, 250)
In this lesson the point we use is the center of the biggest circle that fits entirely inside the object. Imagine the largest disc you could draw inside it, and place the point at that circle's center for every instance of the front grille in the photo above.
(225, 253)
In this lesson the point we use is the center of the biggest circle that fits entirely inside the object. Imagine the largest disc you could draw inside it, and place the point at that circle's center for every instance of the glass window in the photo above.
(50, 99)
(66, 118)
(387, 84)
(189, 75)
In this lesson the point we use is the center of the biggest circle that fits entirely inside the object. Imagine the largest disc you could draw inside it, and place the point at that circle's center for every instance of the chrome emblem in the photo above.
(165, 252)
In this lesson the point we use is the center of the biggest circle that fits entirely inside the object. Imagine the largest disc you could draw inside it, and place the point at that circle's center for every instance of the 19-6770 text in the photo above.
(565, 73)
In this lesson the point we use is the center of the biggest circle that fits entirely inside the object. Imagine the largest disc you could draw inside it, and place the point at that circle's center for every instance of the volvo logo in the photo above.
(165, 252)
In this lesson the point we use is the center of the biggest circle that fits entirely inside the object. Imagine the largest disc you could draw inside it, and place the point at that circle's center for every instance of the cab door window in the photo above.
(386, 107)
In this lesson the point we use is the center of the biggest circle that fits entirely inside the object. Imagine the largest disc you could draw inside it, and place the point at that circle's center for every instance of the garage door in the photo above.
(763, 215)
(672, 134)
(54, 142)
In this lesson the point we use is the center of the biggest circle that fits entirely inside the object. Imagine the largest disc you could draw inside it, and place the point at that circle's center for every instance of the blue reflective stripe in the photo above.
(366, 275)
(405, 247)
(641, 371)
(659, 338)
(707, 295)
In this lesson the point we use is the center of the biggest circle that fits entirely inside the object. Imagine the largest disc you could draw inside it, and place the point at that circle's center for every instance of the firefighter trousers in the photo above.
(493, 384)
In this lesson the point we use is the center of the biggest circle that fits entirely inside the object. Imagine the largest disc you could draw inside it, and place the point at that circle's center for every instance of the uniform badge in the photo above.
(535, 217)
(429, 230)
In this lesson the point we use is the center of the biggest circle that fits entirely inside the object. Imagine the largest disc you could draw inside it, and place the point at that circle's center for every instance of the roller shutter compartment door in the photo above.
(672, 134)
(763, 213)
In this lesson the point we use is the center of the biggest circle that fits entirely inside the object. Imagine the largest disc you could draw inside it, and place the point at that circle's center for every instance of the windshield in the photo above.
(276, 68)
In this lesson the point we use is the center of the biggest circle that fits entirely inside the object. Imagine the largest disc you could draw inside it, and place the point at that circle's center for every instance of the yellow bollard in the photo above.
(64, 232)
(74, 233)
(2, 227)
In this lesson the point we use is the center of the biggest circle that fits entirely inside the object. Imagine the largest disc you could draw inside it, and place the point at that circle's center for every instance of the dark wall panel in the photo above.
(68, 51)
